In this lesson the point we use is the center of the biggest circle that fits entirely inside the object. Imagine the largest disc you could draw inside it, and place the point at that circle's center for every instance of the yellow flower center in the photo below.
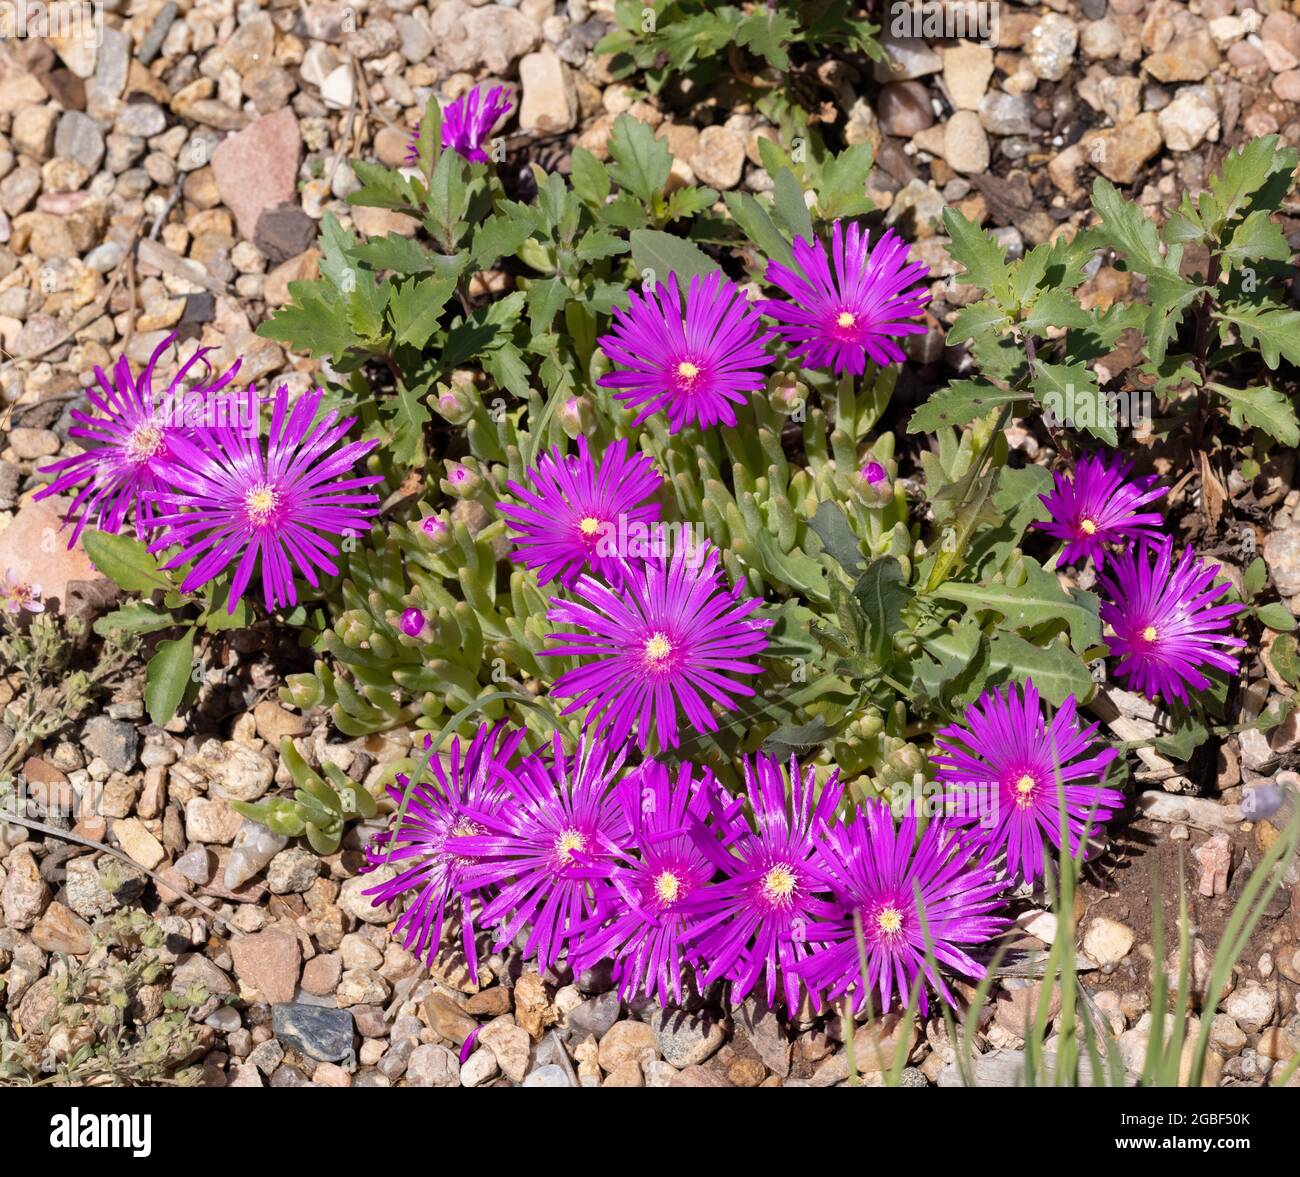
(779, 883)
(1088, 527)
(1149, 634)
(569, 841)
(260, 503)
(589, 525)
(668, 886)
(144, 442)
(658, 647)
(845, 319)
(1025, 790)
(890, 921)
(687, 371)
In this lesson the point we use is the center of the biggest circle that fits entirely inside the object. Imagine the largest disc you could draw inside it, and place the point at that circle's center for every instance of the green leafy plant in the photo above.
(319, 809)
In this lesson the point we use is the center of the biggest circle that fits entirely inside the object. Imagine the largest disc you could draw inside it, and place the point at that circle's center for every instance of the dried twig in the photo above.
(68, 836)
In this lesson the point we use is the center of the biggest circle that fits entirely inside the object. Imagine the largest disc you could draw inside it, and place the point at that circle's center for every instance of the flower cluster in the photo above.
(193, 471)
(1167, 618)
(578, 855)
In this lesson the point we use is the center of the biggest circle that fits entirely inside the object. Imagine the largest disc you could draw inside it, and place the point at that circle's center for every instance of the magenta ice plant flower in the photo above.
(1167, 628)
(570, 518)
(914, 897)
(1097, 505)
(467, 123)
(653, 914)
(672, 639)
(754, 923)
(17, 595)
(849, 306)
(694, 362)
(1007, 770)
(430, 874)
(232, 502)
(550, 854)
(129, 437)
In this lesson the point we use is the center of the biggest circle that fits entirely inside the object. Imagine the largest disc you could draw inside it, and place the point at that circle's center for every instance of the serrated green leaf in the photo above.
(841, 189)
(498, 237)
(765, 33)
(1069, 393)
(1257, 238)
(417, 307)
(787, 196)
(1245, 171)
(1039, 601)
(1055, 308)
(394, 252)
(167, 676)
(1262, 408)
(589, 177)
(640, 162)
(1055, 670)
(981, 255)
(1169, 296)
(1275, 331)
(662, 254)
(960, 402)
(976, 322)
(1127, 230)
(685, 203)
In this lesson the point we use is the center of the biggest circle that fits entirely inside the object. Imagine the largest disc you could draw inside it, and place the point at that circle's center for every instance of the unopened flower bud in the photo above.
(577, 416)
(412, 623)
(874, 484)
(786, 394)
(461, 481)
(455, 402)
(436, 531)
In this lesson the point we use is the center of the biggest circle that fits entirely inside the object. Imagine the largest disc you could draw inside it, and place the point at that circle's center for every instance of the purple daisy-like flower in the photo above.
(230, 500)
(673, 637)
(839, 319)
(754, 923)
(553, 850)
(1098, 505)
(1167, 628)
(467, 123)
(1009, 769)
(647, 936)
(417, 848)
(903, 893)
(694, 364)
(17, 595)
(571, 521)
(131, 435)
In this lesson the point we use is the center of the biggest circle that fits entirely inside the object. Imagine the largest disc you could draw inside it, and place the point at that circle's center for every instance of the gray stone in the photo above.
(1007, 114)
(78, 137)
(595, 1016)
(1051, 46)
(292, 871)
(118, 743)
(325, 1034)
(548, 1076)
(433, 1066)
(687, 1039)
(114, 61)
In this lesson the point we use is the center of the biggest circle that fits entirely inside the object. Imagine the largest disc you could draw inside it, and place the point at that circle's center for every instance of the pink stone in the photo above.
(268, 962)
(37, 549)
(257, 168)
(1215, 858)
